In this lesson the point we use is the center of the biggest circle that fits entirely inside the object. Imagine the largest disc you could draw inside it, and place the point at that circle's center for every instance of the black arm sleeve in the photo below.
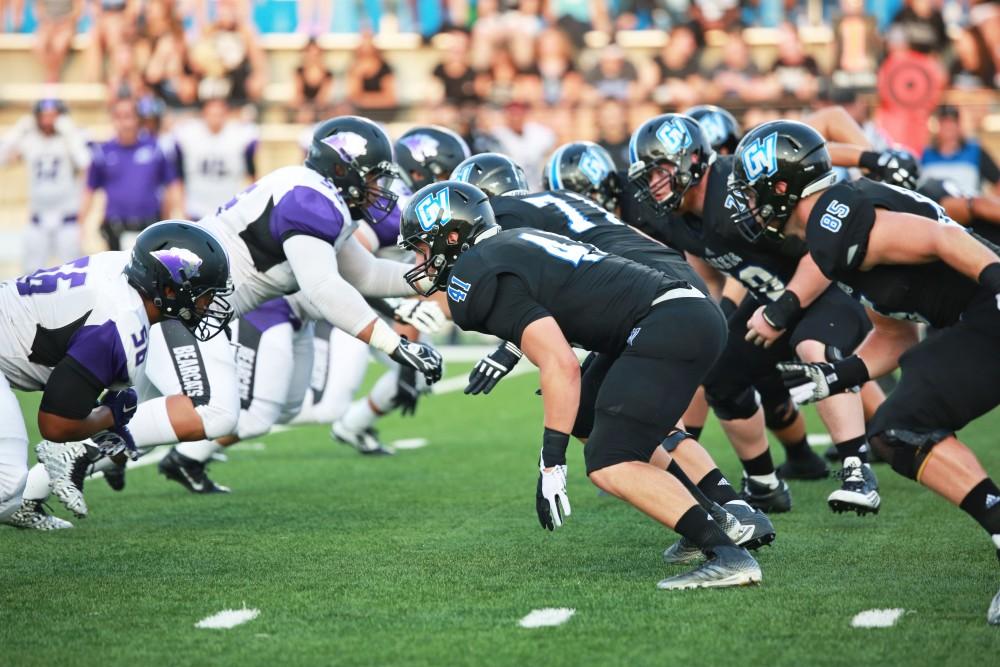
(514, 308)
(988, 169)
(71, 391)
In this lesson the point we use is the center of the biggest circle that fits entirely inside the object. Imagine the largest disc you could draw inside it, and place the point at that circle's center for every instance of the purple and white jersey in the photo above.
(214, 165)
(254, 224)
(85, 309)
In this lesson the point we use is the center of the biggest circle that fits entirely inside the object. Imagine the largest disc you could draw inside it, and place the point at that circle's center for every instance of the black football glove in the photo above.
(118, 439)
(122, 405)
(811, 382)
(420, 357)
(895, 167)
(407, 393)
(492, 368)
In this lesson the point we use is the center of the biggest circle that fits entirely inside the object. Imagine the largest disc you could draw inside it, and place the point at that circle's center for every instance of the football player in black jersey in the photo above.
(542, 291)
(898, 252)
(980, 212)
(673, 169)
(574, 216)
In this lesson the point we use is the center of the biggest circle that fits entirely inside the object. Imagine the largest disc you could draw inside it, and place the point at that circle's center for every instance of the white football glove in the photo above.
(551, 501)
(423, 314)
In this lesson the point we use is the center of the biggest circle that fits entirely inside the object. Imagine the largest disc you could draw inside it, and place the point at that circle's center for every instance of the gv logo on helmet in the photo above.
(463, 173)
(593, 167)
(714, 128)
(434, 209)
(760, 158)
(674, 135)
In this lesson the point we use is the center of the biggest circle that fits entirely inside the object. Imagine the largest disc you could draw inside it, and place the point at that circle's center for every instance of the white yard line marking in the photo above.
(409, 443)
(877, 618)
(227, 618)
(819, 439)
(247, 447)
(543, 618)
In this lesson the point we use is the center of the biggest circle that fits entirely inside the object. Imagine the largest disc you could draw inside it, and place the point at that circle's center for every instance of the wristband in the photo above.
(384, 338)
(728, 306)
(554, 445)
(869, 160)
(990, 277)
(852, 371)
(784, 312)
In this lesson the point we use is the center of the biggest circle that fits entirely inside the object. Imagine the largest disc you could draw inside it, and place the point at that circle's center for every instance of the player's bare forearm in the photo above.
(184, 419)
(544, 344)
(963, 252)
(837, 125)
(886, 343)
(64, 429)
(808, 282)
(845, 155)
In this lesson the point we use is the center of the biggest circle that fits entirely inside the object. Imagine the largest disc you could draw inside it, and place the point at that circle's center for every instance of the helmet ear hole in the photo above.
(781, 187)
(452, 238)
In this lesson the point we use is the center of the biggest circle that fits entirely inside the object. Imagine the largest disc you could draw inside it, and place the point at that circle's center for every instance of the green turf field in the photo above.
(431, 558)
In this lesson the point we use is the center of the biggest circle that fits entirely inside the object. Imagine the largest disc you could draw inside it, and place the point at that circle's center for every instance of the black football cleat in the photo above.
(858, 490)
(808, 467)
(115, 477)
(767, 500)
(188, 473)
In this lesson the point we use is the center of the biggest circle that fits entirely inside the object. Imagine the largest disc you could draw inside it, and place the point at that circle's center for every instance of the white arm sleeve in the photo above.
(327, 294)
(371, 275)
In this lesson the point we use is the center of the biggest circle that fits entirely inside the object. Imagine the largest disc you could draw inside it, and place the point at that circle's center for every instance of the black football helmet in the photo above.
(777, 164)
(721, 128)
(587, 169)
(447, 217)
(175, 264)
(493, 173)
(356, 155)
(429, 153)
(669, 139)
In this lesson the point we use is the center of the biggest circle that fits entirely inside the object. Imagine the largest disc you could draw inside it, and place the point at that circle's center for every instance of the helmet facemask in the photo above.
(204, 313)
(368, 192)
(673, 184)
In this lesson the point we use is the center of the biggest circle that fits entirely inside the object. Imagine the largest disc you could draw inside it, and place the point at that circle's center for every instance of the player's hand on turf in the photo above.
(811, 382)
(423, 358)
(423, 314)
(551, 501)
(122, 405)
(760, 331)
(492, 368)
(407, 393)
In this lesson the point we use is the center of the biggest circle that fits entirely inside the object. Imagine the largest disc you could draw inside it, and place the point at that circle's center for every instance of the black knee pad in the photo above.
(780, 415)
(584, 421)
(676, 437)
(905, 450)
(742, 405)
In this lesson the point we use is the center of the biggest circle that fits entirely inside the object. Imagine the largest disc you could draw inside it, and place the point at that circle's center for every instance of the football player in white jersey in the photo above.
(56, 155)
(79, 329)
(216, 157)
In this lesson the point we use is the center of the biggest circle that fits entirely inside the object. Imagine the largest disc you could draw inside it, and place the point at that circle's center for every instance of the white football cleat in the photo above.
(858, 490)
(67, 464)
(32, 515)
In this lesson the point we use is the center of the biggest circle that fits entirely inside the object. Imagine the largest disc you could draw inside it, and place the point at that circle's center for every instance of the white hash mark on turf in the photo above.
(410, 443)
(228, 618)
(543, 618)
(876, 618)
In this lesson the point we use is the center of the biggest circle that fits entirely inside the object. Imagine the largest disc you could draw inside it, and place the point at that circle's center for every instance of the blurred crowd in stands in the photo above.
(523, 76)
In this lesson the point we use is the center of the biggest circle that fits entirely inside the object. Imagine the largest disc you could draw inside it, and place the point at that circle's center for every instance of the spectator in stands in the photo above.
(857, 38)
(953, 157)
(923, 26)
(613, 76)
(56, 155)
(737, 77)
(489, 33)
(114, 26)
(795, 72)
(502, 82)
(528, 143)
(454, 73)
(12, 14)
(216, 158)
(56, 27)
(716, 14)
(613, 132)
(576, 17)
(371, 84)
(139, 182)
(228, 59)
(561, 82)
(124, 76)
(523, 24)
(161, 46)
(973, 66)
(313, 82)
(676, 74)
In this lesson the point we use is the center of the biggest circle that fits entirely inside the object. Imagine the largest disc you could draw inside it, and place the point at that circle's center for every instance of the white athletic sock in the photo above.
(151, 424)
(359, 416)
(200, 450)
(769, 480)
(37, 486)
(384, 392)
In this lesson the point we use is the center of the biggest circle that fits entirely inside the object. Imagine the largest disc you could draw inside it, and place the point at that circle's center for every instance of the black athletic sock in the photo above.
(678, 472)
(983, 504)
(759, 465)
(798, 451)
(853, 447)
(695, 431)
(717, 488)
(700, 529)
